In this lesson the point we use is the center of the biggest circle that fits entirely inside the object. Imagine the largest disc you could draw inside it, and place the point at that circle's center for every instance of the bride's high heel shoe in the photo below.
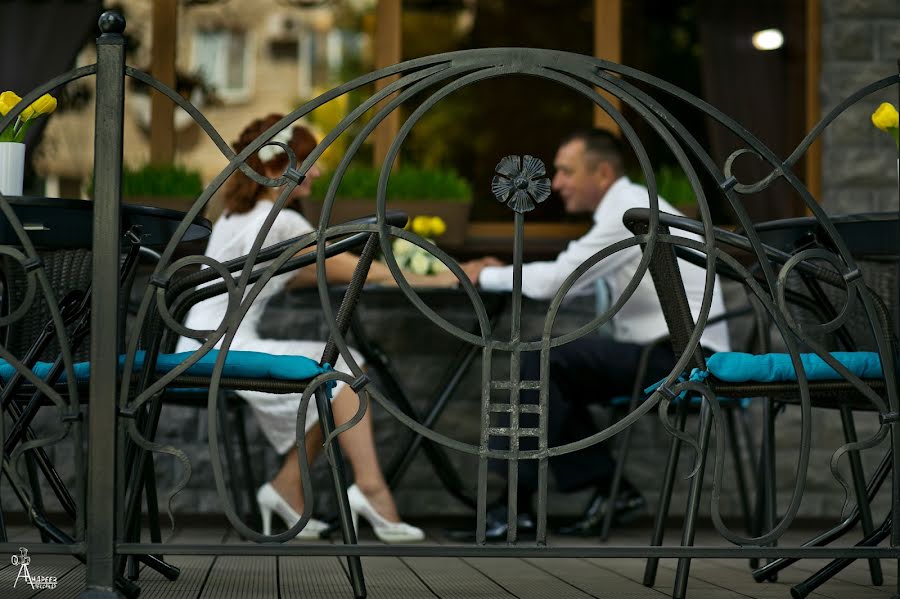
(387, 532)
(270, 500)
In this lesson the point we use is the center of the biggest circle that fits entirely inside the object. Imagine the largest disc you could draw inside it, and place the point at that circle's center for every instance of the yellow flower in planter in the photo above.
(885, 118)
(438, 226)
(44, 105)
(417, 259)
(15, 132)
(429, 226)
(8, 101)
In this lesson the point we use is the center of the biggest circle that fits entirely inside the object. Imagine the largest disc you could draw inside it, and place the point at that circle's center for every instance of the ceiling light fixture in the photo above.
(768, 39)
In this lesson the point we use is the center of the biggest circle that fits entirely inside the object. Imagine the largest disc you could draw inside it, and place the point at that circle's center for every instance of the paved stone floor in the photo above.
(205, 577)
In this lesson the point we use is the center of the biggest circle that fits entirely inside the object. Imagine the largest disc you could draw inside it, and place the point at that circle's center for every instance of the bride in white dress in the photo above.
(247, 205)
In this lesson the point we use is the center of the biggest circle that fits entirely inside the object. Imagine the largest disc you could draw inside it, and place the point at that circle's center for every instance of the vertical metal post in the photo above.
(101, 487)
(339, 476)
(693, 503)
(895, 426)
(515, 338)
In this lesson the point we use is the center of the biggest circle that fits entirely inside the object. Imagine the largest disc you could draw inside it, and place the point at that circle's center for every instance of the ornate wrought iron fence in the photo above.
(520, 183)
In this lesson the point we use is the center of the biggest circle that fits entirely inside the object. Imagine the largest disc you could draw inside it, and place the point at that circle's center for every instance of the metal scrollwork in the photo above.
(521, 183)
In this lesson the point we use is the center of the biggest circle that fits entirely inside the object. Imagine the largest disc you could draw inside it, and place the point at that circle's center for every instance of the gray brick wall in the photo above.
(860, 43)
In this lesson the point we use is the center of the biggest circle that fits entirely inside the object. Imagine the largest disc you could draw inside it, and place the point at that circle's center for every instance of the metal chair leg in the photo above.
(621, 457)
(249, 480)
(230, 461)
(3, 536)
(693, 507)
(143, 474)
(37, 496)
(859, 489)
(665, 498)
(897, 590)
(801, 590)
(55, 535)
(152, 500)
(743, 495)
(336, 459)
(852, 519)
(42, 460)
(769, 506)
(760, 506)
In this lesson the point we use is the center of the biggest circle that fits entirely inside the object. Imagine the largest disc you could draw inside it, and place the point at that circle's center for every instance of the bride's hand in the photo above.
(444, 279)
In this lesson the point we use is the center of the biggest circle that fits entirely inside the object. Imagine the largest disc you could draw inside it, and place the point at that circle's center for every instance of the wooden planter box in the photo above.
(454, 214)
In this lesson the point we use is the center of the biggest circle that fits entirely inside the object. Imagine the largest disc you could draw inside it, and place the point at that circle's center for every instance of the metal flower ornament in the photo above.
(521, 182)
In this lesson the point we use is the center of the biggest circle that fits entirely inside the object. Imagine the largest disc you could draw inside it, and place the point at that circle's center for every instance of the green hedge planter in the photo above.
(428, 192)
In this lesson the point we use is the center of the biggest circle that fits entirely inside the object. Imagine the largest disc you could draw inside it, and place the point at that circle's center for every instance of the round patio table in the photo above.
(60, 223)
(874, 235)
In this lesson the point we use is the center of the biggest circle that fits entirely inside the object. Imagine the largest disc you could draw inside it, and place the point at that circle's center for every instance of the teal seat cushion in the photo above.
(238, 364)
(41, 369)
(736, 367)
(241, 364)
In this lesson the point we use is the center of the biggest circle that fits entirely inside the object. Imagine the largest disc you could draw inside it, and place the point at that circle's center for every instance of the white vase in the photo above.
(12, 167)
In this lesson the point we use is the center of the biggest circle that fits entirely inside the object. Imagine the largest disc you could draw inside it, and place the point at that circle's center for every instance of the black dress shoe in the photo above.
(627, 507)
(496, 528)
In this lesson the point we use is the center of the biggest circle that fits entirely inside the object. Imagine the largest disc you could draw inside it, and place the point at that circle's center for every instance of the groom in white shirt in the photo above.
(589, 177)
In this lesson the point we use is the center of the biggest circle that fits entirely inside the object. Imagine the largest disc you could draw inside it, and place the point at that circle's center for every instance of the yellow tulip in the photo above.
(27, 114)
(8, 100)
(44, 105)
(885, 117)
(438, 227)
(421, 225)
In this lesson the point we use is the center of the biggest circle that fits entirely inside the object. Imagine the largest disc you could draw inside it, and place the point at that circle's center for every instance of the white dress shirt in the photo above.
(640, 319)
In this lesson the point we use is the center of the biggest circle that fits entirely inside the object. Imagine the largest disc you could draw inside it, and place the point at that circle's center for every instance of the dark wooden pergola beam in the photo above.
(162, 66)
(388, 51)
(608, 46)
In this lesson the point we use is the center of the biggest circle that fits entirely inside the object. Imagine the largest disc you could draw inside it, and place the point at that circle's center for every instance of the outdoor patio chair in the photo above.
(735, 415)
(734, 411)
(36, 342)
(32, 338)
(169, 376)
(836, 380)
(764, 513)
(231, 415)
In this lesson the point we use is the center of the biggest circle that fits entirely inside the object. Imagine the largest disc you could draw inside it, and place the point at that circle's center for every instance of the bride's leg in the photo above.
(287, 480)
(358, 445)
